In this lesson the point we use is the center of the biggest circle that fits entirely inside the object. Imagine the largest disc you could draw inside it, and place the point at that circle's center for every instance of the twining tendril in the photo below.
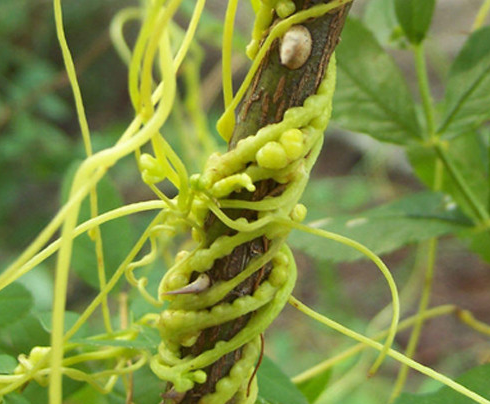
(298, 137)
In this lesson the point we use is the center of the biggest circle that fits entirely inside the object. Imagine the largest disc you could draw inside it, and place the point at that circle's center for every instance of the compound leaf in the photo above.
(372, 96)
(468, 89)
(384, 229)
(469, 156)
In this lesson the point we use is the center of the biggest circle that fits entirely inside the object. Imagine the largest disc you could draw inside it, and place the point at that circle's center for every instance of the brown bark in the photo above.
(274, 89)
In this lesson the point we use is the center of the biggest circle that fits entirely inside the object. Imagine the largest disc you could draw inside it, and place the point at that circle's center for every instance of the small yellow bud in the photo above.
(272, 155)
(292, 141)
(298, 213)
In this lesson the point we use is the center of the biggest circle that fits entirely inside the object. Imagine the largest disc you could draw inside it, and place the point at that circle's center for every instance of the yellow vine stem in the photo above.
(193, 102)
(481, 15)
(97, 163)
(41, 375)
(92, 306)
(84, 227)
(391, 352)
(138, 53)
(131, 140)
(227, 51)
(438, 311)
(431, 246)
(384, 270)
(95, 234)
(467, 318)
(116, 31)
(115, 277)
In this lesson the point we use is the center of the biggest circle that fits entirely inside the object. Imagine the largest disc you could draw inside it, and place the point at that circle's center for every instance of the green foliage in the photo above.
(16, 399)
(15, 303)
(415, 17)
(412, 219)
(22, 335)
(275, 387)
(71, 318)
(465, 105)
(314, 387)
(7, 364)
(467, 154)
(372, 96)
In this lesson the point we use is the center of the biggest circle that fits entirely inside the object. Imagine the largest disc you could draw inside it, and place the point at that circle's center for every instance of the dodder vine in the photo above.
(225, 294)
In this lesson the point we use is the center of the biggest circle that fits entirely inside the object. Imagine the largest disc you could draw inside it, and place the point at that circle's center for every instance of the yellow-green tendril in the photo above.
(226, 51)
(481, 15)
(354, 350)
(391, 352)
(82, 119)
(386, 273)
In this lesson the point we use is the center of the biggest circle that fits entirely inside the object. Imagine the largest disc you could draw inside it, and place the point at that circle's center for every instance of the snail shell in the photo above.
(295, 48)
(199, 285)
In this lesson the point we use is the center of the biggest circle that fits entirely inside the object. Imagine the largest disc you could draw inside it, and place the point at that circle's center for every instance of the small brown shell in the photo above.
(295, 48)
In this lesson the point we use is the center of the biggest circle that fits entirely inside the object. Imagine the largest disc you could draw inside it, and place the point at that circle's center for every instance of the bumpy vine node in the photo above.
(284, 152)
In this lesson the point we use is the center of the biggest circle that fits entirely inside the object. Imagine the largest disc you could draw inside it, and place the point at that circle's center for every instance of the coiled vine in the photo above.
(226, 292)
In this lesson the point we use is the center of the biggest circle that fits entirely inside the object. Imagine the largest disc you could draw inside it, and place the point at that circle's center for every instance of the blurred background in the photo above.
(40, 141)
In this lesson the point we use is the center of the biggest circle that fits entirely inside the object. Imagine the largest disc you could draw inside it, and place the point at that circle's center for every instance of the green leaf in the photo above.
(475, 380)
(372, 96)
(468, 89)
(117, 235)
(39, 282)
(384, 229)
(312, 388)
(87, 394)
(15, 303)
(338, 195)
(35, 393)
(379, 17)
(275, 387)
(15, 398)
(414, 17)
(7, 364)
(23, 335)
(469, 155)
(480, 243)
